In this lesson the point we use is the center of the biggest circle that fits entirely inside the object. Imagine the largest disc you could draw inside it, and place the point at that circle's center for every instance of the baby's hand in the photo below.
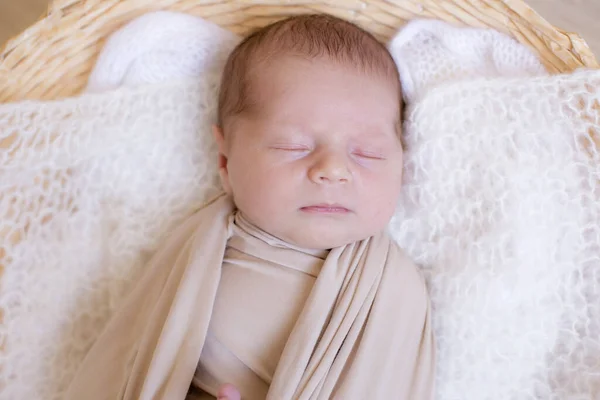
(228, 392)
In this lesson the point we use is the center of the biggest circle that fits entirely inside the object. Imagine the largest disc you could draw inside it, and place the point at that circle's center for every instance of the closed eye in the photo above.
(369, 156)
(291, 148)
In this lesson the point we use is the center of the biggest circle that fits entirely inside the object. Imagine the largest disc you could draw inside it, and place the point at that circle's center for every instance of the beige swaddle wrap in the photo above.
(364, 331)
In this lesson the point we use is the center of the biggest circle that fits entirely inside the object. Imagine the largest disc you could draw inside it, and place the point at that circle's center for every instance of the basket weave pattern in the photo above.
(52, 58)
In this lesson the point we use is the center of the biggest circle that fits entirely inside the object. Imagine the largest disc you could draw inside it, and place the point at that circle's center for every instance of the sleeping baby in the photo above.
(287, 285)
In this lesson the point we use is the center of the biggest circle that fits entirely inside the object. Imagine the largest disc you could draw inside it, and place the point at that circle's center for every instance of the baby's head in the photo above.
(309, 131)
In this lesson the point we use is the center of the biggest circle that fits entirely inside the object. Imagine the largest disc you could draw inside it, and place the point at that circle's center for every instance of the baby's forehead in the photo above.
(302, 110)
(282, 78)
(293, 70)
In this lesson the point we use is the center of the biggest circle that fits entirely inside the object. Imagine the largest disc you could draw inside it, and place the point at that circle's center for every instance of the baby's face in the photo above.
(319, 162)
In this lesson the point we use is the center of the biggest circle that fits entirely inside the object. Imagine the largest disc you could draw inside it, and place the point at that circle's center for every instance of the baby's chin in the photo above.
(324, 238)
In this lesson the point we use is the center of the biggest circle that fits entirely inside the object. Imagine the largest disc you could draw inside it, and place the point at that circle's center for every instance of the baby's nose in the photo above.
(330, 168)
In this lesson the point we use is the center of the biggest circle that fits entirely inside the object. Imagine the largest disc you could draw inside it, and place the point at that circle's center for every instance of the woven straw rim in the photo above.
(53, 57)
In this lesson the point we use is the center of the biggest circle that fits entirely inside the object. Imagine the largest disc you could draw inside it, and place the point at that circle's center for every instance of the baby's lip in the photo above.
(326, 208)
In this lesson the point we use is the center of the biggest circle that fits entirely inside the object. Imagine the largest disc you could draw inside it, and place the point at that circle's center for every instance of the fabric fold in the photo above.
(364, 331)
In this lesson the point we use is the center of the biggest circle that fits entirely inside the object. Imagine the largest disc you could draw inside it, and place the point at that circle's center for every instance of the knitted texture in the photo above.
(501, 209)
(500, 205)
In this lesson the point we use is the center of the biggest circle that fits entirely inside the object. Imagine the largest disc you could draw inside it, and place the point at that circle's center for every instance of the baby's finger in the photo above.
(228, 392)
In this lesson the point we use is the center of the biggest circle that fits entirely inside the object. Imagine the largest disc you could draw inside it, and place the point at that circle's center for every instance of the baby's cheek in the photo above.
(267, 192)
(382, 200)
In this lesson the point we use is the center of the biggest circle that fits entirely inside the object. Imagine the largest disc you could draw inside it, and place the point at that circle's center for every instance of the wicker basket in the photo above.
(53, 57)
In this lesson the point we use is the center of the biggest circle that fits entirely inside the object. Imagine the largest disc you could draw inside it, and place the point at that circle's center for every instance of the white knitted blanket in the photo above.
(500, 206)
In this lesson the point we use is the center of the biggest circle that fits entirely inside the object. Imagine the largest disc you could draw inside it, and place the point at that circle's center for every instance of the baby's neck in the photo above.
(249, 227)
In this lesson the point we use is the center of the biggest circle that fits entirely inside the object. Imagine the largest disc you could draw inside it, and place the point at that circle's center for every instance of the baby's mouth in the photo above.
(326, 209)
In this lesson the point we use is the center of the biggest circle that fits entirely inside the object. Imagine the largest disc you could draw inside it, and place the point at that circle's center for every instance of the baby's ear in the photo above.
(219, 137)
(222, 158)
